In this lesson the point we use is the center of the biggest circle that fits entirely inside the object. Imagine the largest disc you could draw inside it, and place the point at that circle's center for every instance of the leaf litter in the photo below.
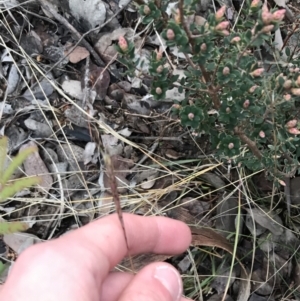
(66, 95)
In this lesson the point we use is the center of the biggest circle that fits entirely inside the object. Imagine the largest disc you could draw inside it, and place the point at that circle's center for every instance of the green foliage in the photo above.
(230, 94)
(9, 188)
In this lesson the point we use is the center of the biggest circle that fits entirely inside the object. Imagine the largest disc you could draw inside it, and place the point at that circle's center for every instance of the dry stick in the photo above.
(251, 144)
(49, 7)
(114, 191)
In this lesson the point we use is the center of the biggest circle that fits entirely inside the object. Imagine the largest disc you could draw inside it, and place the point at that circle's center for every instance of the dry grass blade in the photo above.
(116, 199)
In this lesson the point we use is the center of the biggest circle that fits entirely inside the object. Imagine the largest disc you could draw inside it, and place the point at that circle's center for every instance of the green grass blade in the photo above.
(17, 186)
(2, 267)
(3, 151)
(8, 228)
(16, 162)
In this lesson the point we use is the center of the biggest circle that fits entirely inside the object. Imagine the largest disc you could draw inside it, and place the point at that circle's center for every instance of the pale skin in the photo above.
(78, 266)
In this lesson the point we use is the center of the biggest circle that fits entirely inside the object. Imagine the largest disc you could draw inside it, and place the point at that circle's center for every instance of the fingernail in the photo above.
(170, 279)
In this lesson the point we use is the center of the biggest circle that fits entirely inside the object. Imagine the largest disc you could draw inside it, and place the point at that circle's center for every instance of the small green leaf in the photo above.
(12, 227)
(15, 163)
(3, 267)
(17, 186)
(3, 151)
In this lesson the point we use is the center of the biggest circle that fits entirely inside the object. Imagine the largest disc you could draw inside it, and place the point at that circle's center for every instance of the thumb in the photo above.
(156, 282)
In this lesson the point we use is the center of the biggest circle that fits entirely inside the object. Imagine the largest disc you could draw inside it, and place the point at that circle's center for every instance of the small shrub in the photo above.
(230, 96)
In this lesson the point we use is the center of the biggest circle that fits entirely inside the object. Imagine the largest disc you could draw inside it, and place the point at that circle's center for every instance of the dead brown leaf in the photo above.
(77, 55)
(35, 166)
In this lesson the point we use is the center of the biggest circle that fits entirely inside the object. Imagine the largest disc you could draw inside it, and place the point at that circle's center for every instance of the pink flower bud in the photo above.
(252, 89)
(267, 28)
(228, 110)
(170, 34)
(278, 15)
(262, 134)
(287, 84)
(255, 3)
(292, 123)
(160, 69)
(176, 106)
(297, 70)
(224, 33)
(287, 97)
(257, 72)
(295, 91)
(158, 90)
(226, 71)
(230, 145)
(159, 54)
(223, 25)
(294, 131)
(203, 47)
(191, 116)
(266, 17)
(235, 40)
(292, 70)
(147, 10)
(123, 44)
(220, 13)
(246, 104)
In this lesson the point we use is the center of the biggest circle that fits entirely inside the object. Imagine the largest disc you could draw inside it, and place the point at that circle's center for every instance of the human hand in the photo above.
(78, 265)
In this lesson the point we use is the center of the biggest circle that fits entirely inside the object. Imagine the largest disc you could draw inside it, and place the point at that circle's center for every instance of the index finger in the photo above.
(103, 241)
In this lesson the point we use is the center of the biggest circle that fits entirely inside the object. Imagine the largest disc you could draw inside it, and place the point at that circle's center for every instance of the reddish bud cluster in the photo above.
(223, 25)
(262, 134)
(268, 17)
(158, 90)
(252, 89)
(255, 3)
(191, 116)
(170, 34)
(291, 127)
(226, 71)
(257, 72)
(123, 44)
(220, 13)
(292, 123)
(203, 47)
(246, 104)
(147, 10)
(287, 84)
(235, 40)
